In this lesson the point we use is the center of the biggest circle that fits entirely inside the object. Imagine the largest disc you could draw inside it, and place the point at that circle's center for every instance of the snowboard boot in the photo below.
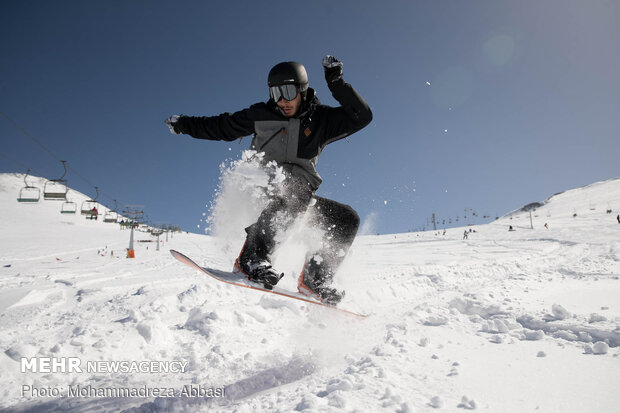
(314, 280)
(256, 268)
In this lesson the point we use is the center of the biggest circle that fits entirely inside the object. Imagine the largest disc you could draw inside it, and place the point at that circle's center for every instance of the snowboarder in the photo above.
(292, 128)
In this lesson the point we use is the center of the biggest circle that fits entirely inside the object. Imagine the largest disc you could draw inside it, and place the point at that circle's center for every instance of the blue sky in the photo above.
(523, 101)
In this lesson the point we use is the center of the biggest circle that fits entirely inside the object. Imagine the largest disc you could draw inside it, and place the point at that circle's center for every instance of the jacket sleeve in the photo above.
(224, 127)
(353, 114)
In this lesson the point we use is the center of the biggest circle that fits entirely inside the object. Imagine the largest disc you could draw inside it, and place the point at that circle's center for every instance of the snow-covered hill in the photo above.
(26, 226)
(503, 321)
(588, 200)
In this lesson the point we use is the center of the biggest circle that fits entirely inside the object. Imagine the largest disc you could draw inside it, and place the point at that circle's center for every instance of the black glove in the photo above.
(333, 68)
(172, 122)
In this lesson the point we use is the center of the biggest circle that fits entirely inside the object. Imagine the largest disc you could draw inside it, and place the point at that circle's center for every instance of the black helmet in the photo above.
(286, 73)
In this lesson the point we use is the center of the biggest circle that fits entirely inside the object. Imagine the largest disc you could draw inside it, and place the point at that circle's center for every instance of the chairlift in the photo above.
(29, 193)
(68, 207)
(56, 189)
(89, 207)
(111, 216)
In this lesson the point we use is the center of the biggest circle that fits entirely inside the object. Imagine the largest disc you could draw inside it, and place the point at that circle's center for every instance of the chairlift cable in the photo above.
(35, 140)
(25, 132)
(20, 164)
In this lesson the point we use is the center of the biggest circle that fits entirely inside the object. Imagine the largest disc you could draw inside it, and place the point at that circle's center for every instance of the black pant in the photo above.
(339, 221)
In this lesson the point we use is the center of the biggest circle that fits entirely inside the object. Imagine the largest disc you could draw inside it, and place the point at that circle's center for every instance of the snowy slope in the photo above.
(503, 321)
(599, 196)
(29, 225)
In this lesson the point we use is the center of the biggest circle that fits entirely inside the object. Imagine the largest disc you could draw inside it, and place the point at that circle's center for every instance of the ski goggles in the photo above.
(288, 92)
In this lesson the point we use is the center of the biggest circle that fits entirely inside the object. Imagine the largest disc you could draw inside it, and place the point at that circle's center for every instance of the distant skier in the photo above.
(292, 128)
(465, 235)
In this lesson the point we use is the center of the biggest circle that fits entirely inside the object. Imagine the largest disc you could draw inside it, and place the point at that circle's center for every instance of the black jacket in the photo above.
(294, 143)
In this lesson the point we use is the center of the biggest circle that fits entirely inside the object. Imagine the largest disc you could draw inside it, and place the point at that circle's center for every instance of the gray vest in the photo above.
(279, 140)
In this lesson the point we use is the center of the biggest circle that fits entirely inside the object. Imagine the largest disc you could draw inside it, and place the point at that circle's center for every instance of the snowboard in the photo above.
(239, 280)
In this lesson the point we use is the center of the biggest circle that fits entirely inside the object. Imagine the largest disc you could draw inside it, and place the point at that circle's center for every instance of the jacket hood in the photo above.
(309, 103)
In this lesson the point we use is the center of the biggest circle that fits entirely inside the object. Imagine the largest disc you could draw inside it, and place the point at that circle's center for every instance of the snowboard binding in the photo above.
(257, 270)
(313, 282)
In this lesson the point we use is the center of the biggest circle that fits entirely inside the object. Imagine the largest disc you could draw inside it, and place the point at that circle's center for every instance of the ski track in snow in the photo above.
(503, 321)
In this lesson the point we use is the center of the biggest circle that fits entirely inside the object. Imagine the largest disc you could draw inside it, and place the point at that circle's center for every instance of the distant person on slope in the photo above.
(292, 128)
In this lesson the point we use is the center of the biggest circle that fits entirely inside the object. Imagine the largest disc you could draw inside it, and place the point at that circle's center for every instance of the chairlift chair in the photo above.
(110, 216)
(29, 193)
(89, 207)
(56, 189)
(68, 207)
